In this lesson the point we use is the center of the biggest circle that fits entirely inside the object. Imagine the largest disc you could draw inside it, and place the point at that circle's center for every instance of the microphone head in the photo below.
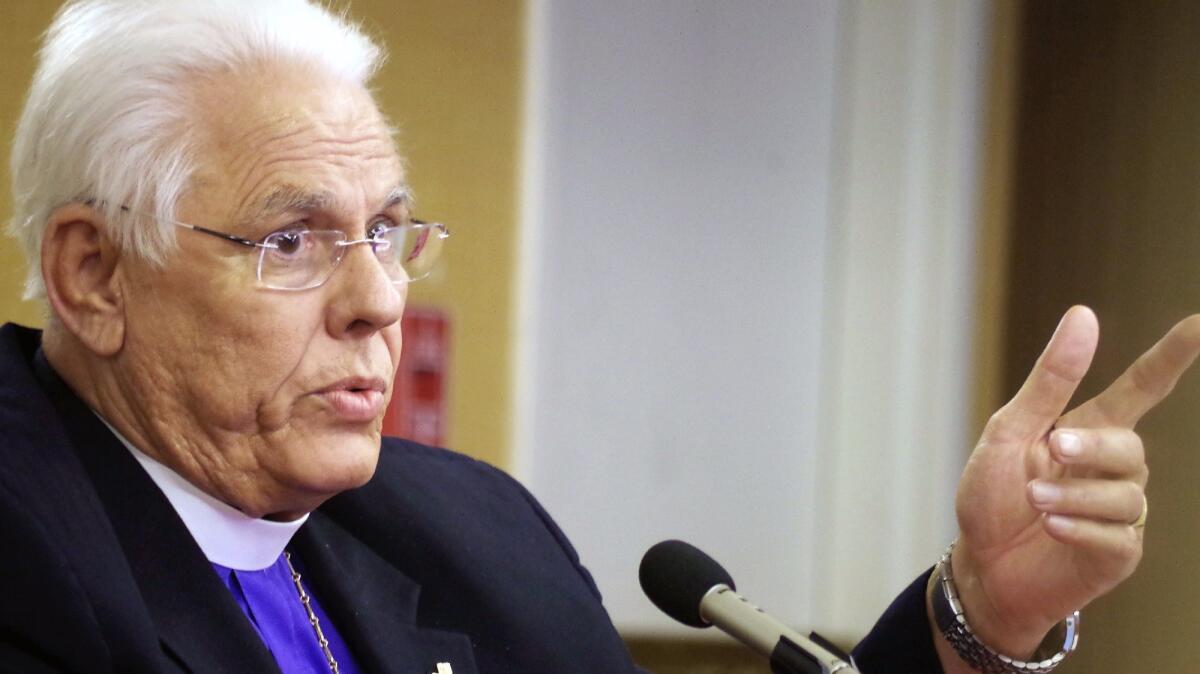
(676, 576)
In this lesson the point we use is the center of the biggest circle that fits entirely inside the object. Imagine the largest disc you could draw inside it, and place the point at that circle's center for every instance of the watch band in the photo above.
(948, 613)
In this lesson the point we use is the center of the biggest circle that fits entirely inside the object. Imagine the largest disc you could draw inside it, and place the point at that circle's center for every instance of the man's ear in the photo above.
(80, 267)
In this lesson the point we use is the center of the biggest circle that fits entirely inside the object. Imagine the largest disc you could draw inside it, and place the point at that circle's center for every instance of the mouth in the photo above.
(357, 399)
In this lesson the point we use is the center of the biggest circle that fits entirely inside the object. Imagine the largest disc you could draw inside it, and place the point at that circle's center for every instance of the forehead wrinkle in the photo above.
(316, 150)
(267, 130)
(241, 149)
(300, 202)
(324, 151)
(251, 150)
(290, 197)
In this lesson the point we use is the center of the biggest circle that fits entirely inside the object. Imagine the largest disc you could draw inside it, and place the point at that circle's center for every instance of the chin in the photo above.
(340, 463)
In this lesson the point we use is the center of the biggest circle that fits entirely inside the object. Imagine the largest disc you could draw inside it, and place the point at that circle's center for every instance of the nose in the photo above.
(362, 299)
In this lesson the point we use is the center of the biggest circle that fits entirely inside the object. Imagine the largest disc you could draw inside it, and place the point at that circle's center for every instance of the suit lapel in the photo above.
(197, 617)
(199, 622)
(374, 605)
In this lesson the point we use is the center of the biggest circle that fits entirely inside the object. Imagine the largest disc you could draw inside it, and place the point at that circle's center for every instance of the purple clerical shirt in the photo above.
(270, 600)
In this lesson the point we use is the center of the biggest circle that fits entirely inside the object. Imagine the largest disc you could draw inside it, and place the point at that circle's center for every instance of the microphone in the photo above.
(694, 589)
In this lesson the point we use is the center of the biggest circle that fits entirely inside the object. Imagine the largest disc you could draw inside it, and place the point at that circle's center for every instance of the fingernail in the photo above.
(1068, 443)
(1045, 492)
(1060, 524)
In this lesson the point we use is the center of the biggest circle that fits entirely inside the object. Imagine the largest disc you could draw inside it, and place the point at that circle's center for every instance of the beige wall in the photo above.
(1106, 212)
(453, 87)
(24, 22)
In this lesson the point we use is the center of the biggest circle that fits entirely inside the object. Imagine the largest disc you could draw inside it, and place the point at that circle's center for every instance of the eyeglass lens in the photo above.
(301, 259)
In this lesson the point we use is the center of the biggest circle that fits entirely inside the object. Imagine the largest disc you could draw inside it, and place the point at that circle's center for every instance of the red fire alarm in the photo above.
(417, 410)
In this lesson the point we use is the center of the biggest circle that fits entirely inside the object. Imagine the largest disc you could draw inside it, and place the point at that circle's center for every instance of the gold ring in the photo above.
(1140, 522)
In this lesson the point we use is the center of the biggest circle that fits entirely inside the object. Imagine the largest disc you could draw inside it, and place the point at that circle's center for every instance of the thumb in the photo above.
(1053, 380)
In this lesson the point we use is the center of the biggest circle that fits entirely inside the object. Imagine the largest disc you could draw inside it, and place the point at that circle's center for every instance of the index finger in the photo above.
(1146, 382)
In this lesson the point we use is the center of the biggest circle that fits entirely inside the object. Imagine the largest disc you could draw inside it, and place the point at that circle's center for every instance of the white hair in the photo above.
(106, 121)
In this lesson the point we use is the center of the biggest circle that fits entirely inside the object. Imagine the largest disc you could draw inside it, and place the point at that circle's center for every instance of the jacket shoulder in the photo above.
(490, 562)
(440, 499)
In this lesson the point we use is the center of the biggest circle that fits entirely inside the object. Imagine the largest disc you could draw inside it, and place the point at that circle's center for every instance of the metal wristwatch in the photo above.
(948, 613)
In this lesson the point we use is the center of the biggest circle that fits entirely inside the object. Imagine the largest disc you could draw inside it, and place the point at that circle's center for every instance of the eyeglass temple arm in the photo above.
(210, 232)
(223, 235)
(442, 231)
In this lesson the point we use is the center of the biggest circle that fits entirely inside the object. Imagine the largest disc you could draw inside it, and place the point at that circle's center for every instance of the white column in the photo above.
(744, 310)
(896, 386)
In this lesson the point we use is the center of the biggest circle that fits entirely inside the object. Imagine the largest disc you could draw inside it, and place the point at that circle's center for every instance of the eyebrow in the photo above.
(291, 198)
(399, 195)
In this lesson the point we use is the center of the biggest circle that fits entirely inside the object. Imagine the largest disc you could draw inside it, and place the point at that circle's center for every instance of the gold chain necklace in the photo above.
(312, 617)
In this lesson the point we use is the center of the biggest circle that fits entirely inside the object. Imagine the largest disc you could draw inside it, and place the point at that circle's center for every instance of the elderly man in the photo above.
(193, 477)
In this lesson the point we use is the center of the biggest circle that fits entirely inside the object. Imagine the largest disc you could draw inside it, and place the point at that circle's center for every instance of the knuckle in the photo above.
(1148, 381)
(1081, 498)
(1133, 498)
(1133, 436)
(1129, 545)
(1123, 450)
(1136, 448)
(996, 420)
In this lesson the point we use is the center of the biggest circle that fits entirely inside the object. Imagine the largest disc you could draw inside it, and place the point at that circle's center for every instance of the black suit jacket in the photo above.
(439, 558)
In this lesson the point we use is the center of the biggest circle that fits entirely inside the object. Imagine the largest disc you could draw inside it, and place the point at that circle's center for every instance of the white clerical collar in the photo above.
(226, 535)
